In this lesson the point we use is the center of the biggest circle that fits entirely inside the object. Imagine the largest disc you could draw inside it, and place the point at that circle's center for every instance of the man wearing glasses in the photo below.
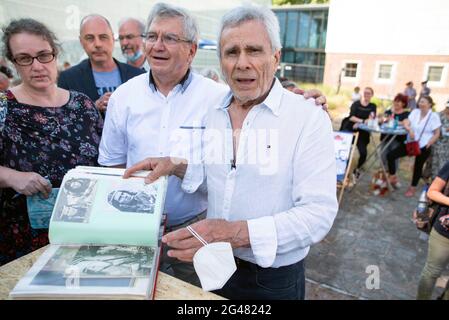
(100, 74)
(154, 114)
(131, 33)
(161, 114)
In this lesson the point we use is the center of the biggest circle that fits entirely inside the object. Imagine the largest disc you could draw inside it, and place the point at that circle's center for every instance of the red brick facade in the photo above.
(405, 68)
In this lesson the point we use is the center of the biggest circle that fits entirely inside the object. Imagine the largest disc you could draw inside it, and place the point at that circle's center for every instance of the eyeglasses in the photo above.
(130, 36)
(26, 60)
(168, 38)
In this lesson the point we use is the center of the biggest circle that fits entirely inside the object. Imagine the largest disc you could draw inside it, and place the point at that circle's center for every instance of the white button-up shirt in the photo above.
(284, 180)
(141, 122)
(423, 128)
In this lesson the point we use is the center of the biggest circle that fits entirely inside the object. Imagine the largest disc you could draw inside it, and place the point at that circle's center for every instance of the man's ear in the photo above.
(193, 50)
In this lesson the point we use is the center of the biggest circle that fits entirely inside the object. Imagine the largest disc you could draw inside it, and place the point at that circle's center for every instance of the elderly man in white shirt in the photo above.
(268, 156)
(152, 114)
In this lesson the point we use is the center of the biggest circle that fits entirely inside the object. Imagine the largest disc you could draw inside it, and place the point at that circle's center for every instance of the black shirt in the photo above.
(363, 113)
(401, 117)
(444, 210)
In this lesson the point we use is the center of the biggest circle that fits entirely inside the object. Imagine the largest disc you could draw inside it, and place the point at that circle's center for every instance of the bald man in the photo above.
(100, 74)
(130, 35)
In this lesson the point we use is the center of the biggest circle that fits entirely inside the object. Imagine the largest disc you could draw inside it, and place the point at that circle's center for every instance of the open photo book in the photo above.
(105, 239)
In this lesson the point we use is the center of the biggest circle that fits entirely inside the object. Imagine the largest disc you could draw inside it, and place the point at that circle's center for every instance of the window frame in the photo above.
(443, 80)
(392, 75)
(358, 72)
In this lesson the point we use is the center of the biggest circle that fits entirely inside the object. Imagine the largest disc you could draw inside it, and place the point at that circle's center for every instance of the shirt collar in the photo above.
(185, 81)
(272, 101)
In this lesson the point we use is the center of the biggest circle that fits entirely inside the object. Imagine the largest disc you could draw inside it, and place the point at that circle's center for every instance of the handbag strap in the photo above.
(425, 124)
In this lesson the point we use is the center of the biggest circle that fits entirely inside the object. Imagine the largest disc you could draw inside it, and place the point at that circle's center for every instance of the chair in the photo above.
(344, 142)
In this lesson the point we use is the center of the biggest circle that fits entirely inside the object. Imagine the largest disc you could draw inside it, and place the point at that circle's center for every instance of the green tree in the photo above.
(283, 2)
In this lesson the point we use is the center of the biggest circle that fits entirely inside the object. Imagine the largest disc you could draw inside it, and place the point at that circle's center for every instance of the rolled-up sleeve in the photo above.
(313, 194)
(194, 178)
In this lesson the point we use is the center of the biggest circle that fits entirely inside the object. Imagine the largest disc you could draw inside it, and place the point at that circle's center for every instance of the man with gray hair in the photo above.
(154, 114)
(131, 34)
(274, 194)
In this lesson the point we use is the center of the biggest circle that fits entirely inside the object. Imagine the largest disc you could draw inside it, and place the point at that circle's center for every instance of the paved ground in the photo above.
(369, 232)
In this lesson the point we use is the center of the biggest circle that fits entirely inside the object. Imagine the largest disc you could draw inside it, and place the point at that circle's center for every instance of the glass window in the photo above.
(351, 70)
(323, 33)
(435, 73)
(289, 56)
(282, 17)
(315, 30)
(292, 28)
(385, 71)
(304, 24)
(300, 57)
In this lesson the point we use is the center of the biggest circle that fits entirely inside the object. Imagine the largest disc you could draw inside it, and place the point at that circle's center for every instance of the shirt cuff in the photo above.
(263, 240)
(193, 178)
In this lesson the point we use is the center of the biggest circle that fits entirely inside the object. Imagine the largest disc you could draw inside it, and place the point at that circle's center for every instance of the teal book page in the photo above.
(106, 209)
(40, 209)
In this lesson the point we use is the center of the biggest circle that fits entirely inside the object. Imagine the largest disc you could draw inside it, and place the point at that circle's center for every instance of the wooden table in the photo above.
(167, 287)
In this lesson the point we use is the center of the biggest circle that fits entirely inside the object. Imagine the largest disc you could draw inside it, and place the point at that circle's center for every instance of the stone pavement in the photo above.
(370, 232)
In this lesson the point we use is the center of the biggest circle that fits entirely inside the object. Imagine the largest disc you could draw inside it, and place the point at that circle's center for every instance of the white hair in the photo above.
(140, 23)
(164, 10)
(210, 73)
(246, 13)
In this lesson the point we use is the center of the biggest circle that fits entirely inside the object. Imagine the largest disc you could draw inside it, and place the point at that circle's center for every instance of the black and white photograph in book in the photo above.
(132, 201)
(97, 262)
(76, 199)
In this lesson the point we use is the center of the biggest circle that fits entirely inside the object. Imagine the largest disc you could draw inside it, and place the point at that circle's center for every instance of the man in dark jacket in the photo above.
(101, 74)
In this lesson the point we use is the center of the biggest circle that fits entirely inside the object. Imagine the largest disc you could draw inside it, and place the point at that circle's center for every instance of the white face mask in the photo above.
(214, 263)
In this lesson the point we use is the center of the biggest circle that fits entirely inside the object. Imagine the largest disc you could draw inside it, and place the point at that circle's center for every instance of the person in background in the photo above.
(360, 112)
(100, 74)
(4, 82)
(400, 115)
(410, 92)
(425, 90)
(356, 96)
(131, 35)
(291, 86)
(66, 65)
(211, 74)
(6, 76)
(438, 250)
(424, 125)
(44, 132)
(440, 151)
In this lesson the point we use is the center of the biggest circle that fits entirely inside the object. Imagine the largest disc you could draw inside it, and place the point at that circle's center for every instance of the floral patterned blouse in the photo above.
(49, 141)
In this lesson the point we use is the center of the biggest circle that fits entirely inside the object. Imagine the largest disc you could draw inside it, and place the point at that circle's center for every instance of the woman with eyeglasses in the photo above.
(44, 132)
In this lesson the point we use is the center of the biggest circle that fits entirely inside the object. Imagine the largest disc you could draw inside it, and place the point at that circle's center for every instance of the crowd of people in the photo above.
(431, 131)
(104, 112)
(108, 113)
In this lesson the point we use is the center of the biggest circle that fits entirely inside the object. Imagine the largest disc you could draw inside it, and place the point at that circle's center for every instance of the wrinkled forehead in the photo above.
(249, 33)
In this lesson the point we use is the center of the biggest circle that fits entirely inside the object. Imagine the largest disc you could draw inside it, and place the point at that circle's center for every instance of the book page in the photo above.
(90, 272)
(102, 208)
